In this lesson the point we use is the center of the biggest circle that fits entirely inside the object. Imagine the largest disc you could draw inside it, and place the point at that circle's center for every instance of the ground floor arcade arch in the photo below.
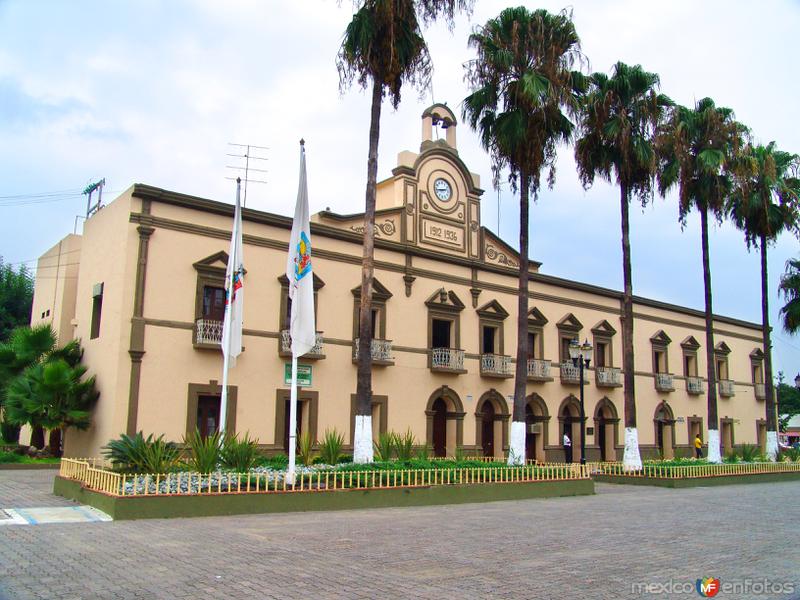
(491, 424)
(664, 424)
(569, 418)
(606, 429)
(537, 419)
(445, 422)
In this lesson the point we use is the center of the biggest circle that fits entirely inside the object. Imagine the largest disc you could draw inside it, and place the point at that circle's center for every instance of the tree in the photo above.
(790, 289)
(26, 347)
(619, 119)
(52, 396)
(788, 401)
(382, 45)
(16, 298)
(524, 83)
(697, 150)
(765, 204)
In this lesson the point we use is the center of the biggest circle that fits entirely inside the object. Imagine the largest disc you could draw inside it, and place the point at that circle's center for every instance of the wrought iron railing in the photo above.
(495, 364)
(608, 376)
(665, 382)
(451, 359)
(208, 331)
(726, 388)
(286, 344)
(538, 368)
(695, 385)
(380, 349)
(570, 373)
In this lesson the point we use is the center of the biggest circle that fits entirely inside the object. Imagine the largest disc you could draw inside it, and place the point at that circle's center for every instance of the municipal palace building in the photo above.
(142, 288)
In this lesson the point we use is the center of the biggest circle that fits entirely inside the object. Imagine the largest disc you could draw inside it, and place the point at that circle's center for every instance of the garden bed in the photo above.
(682, 474)
(186, 494)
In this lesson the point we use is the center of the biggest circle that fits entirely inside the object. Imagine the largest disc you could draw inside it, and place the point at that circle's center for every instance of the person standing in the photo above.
(698, 445)
(567, 448)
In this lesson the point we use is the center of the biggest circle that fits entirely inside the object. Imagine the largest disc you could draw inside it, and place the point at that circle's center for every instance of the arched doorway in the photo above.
(605, 428)
(536, 420)
(569, 417)
(491, 431)
(445, 421)
(664, 422)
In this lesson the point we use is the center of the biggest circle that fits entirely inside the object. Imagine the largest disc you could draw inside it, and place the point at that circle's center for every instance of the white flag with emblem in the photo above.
(234, 291)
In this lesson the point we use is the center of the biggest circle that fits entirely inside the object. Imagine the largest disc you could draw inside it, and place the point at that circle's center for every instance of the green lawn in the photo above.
(13, 457)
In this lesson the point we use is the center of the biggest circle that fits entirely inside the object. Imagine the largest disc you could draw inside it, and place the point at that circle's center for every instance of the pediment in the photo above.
(690, 343)
(604, 328)
(536, 318)
(497, 252)
(318, 283)
(757, 354)
(215, 264)
(722, 348)
(569, 322)
(492, 310)
(660, 338)
(445, 300)
(379, 291)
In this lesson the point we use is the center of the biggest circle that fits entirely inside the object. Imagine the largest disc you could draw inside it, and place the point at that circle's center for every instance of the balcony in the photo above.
(539, 370)
(726, 388)
(664, 382)
(286, 347)
(447, 360)
(381, 352)
(695, 386)
(571, 374)
(207, 333)
(761, 391)
(608, 376)
(496, 365)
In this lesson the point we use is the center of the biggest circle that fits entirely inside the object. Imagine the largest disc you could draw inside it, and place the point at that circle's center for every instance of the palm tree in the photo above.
(619, 119)
(765, 204)
(697, 149)
(523, 81)
(52, 396)
(382, 45)
(790, 288)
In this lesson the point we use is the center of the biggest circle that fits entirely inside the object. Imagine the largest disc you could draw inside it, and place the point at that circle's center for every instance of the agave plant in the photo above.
(239, 455)
(305, 449)
(137, 454)
(204, 452)
(331, 446)
(384, 447)
(404, 445)
(749, 452)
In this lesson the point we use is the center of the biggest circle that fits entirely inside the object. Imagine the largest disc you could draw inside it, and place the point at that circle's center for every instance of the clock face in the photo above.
(442, 190)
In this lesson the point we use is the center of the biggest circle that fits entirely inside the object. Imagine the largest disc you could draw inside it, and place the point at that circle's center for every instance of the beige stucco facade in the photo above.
(439, 273)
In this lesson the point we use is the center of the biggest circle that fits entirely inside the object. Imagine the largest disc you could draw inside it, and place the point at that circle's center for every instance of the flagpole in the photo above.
(226, 352)
(292, 423)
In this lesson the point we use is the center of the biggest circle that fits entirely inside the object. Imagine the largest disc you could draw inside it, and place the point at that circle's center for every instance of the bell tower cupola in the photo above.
(439, 116)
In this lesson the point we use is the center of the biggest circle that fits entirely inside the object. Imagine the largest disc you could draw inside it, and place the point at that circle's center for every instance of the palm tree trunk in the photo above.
(772, 428)
(37, 436)
(631, 460)
(362, 435)
(713, 418)
(516, 451)
(55, 442)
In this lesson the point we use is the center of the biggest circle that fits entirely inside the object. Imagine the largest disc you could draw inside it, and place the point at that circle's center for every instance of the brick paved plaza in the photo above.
(582, 547)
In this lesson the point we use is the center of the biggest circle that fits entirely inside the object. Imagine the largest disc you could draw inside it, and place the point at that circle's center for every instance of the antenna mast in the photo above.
(88, 191)
(247, 155)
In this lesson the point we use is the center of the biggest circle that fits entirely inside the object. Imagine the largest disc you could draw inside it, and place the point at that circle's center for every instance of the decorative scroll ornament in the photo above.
(386, 228)
(493, 254)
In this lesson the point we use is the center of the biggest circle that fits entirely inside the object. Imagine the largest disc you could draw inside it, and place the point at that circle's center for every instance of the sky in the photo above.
(153, 91)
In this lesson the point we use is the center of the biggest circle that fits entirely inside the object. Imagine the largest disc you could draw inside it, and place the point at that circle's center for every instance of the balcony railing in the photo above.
(664, 382)
(208, 331)
(570, 373)
(381, 350)
(761, 391)
(286, 345)
(496, 365)
(726, 388)
(447, 359)
(694, 385)
(608, 376)
(539, 369)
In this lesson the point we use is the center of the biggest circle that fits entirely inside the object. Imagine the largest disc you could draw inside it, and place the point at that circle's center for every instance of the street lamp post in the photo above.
(581, 357)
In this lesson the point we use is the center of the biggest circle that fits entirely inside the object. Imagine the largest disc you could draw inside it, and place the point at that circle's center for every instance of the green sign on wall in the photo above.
(303, 375)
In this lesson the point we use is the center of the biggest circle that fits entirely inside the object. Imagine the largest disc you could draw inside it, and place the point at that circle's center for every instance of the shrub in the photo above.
(749, 452)
(9, 433)
(279, 462)
(10, 457)
(239, 455)
(138, 454)
(792, 454)
(305, 449)
(331, 446)
(424, 452)
(204, 452)
(384, 447)
(731, 458)
(404, 445)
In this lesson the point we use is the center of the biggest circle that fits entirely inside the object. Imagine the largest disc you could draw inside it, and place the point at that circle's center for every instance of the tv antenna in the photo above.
(88, 191)
(248, 152)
